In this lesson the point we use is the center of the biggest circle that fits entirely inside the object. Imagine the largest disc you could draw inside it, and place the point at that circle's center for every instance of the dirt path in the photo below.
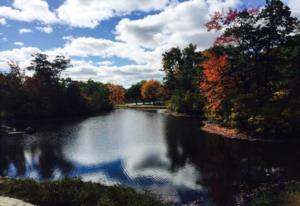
(7, 201)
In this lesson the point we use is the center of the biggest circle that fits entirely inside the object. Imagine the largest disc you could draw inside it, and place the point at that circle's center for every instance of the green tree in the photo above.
(45, 94)
(182, 77)
(46, 71)
(96, 94)
(133, 93)
(11, 96)
(44, 89)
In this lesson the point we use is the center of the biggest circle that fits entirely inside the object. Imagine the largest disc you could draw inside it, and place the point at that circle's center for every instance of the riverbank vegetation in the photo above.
(283, 195)
(74, 192)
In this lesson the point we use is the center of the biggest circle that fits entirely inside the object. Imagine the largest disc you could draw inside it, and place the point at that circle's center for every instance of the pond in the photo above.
(168, 155)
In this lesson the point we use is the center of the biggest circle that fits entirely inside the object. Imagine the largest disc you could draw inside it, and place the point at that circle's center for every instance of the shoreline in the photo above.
(229, 133)
(174, 114)
(212, 128)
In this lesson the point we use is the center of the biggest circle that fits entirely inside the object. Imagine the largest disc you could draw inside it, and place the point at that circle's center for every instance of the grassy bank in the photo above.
(276, 195)
(73, 192)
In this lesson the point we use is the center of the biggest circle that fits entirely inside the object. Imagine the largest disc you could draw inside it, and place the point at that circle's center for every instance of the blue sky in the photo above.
(108, 40)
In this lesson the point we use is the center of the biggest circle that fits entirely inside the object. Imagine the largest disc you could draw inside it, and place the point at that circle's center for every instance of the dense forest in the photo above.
(249, 80)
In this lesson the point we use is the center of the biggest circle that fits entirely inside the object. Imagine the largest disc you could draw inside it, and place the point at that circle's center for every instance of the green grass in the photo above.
(288, 195)
(74, 192)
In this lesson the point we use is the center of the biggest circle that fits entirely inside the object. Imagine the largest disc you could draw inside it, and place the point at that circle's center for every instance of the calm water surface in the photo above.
(147, 150)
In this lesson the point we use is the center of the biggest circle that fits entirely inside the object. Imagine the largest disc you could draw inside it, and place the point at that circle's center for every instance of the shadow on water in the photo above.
(227, 166)
(168, 155)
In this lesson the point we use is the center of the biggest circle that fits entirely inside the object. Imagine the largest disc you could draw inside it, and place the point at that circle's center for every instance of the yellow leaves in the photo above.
(151, 90)
(116, 94)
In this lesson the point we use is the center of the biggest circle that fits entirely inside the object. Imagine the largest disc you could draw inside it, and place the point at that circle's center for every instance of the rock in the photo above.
(7, 201)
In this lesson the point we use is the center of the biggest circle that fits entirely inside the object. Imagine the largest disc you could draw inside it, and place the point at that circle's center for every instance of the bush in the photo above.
(282, 195)
(74, 192)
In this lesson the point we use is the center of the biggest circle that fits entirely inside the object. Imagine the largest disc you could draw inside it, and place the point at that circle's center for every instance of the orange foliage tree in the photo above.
(216, 80)
(152, 90)
(116, 94)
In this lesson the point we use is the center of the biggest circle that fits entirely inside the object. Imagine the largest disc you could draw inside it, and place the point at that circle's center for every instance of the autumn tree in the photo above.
(116, 94)
(253, 30)
(257, 59)
(254, 34)
(216, 82)
(152, 90)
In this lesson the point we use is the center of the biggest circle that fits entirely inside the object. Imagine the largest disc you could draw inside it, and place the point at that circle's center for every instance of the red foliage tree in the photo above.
(216, 80)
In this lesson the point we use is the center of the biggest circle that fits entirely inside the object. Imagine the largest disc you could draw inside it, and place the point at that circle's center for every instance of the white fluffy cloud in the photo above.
(45, 29)
(24, 30)
(83, 69)
(177, 25)
(89, 46)
(21, 55)
(145, 66)
(28, 10)
(18, 43)
(2, 21)
(96, 11)
(77, 13)
(124, 75)
(295, 7)
(221, 5)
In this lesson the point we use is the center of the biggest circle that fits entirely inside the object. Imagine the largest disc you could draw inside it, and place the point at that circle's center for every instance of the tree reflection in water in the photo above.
(23, 156)
(228, 166)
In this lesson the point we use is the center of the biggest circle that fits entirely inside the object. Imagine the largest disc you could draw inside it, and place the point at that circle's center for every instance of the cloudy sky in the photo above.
(118, 41)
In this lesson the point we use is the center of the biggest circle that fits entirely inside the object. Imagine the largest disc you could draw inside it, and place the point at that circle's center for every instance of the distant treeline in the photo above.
(45, 94)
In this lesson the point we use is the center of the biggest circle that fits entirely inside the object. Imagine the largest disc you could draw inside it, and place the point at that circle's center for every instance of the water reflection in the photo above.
(169, 155)
(226, 165)
(37, 159)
